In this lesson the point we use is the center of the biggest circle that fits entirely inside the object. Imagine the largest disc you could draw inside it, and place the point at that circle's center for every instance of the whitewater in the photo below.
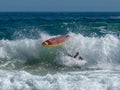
(21, 59)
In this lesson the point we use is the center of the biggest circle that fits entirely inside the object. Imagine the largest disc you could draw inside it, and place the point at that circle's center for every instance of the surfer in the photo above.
(76, 55)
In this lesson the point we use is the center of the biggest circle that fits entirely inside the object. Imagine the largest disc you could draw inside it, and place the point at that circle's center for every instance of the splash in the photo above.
(99, 52)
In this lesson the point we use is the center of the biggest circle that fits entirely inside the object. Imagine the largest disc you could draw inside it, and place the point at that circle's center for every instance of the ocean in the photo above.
(27, 65)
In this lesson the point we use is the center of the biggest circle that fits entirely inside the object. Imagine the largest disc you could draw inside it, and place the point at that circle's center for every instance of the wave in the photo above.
(99, 52)
(115, 17)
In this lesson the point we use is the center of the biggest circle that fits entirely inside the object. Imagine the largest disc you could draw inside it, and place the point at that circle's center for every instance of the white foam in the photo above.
(100, 52)
(19, 49)
(71, 62)
(61, 81)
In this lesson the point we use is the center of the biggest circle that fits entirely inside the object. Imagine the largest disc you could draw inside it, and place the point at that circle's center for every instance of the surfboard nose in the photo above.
(45, 43)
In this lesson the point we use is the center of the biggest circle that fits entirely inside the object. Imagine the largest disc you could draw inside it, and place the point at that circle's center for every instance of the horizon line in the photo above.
(60, 11)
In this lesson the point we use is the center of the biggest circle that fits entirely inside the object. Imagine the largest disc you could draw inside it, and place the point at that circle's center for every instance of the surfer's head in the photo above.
(77, 53)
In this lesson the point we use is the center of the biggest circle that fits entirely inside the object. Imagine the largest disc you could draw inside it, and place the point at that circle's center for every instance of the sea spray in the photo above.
(97, 51)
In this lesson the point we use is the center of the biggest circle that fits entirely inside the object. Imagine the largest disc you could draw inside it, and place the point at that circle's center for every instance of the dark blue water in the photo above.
(29, 24)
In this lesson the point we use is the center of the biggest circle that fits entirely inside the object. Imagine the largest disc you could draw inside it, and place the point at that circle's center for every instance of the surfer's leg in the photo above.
(76, 54)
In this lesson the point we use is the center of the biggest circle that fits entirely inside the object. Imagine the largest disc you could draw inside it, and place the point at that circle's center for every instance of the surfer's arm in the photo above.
(80, 58)
(70, 55)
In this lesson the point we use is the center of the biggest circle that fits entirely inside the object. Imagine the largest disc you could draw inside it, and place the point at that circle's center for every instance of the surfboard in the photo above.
(56, 41)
